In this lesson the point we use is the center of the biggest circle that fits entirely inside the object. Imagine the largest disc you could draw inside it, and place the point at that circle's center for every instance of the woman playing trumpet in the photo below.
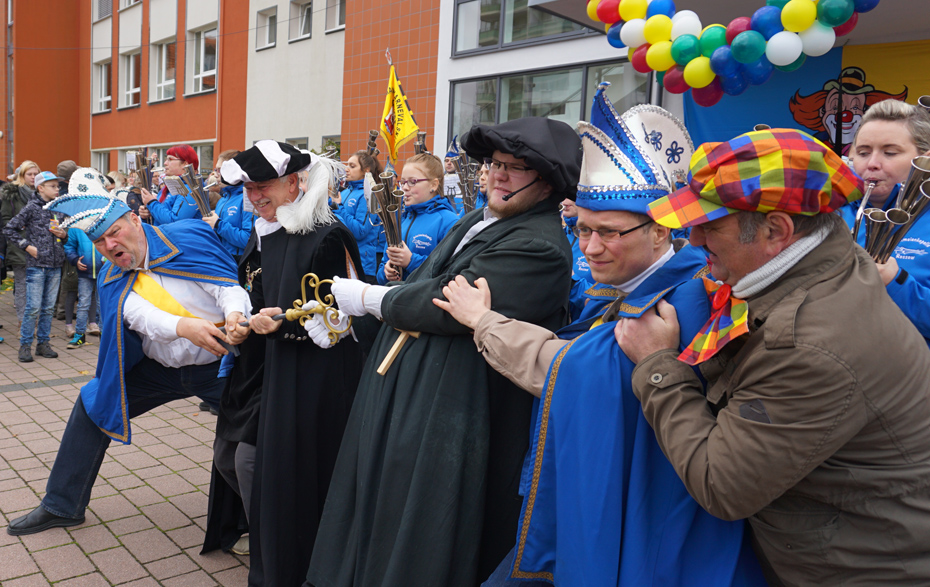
(892, 133)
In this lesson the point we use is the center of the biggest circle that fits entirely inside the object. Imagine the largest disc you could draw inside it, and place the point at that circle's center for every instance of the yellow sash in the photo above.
(154, 293)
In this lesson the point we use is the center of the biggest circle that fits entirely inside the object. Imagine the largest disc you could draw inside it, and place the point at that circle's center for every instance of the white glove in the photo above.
(349, 294)
(316, 326)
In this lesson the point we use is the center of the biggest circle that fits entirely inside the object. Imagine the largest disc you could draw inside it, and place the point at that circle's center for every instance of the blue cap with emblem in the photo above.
(88, 205)
(631, 159)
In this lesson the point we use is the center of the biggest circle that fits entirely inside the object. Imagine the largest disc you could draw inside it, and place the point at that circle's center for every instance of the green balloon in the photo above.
(712, 39)
(685, 48)
(660, 77)
(748, 46)
(833, 13)
(793, 66)
(778, 3)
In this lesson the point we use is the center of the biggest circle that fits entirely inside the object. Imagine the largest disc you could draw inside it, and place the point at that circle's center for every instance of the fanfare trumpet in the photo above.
(884, 229)
(386, 202)
(468, 180)
(196, 189)
(372, 146)
(419, 144)
(139, 163)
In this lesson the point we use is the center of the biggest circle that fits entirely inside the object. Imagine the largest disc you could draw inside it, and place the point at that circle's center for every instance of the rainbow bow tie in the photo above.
(728, 320)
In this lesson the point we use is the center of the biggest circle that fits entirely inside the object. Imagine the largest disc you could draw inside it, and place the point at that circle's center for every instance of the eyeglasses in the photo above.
(607, 235)
(511, 169)
(411, 182)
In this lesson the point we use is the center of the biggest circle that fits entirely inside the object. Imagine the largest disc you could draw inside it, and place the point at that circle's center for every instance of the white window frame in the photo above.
(206, 166)
(301, 13)
(302, 143)
(128, 3)
(100, 160)
(128, 73)
(340, 20)
(161, 83)
(266, 28)
(104, 73)
(199, 55)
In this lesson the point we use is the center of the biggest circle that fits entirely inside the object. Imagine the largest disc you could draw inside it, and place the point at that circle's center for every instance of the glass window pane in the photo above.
(627, 88)
(198, 49)
(524, 23)
(170, 52)
(272, 28)
(473, 103)
(554, 94)
(305, 20)
(478, 24)
(209, 51)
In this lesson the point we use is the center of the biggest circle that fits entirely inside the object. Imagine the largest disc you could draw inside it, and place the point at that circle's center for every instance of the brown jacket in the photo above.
(816, 426)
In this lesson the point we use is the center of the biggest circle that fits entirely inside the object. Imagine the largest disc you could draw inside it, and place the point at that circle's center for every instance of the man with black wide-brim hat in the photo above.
(425, 489)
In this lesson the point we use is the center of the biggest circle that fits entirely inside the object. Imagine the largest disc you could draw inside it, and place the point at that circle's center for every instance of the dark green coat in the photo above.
(425, 490)
(12, 199)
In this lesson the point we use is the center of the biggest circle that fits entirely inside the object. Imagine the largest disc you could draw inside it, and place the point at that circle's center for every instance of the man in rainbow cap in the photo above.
(814, 420)
(163, 294)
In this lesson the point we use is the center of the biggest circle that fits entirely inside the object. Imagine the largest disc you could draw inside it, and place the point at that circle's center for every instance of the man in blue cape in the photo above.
(602, 505)
(163, 294)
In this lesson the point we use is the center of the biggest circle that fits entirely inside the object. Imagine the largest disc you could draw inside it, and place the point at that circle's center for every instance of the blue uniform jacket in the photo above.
(174, 208)
(910, 289)
(186, 250)
(423, 226)
(235, 224)
(79, 245)
(353, 212)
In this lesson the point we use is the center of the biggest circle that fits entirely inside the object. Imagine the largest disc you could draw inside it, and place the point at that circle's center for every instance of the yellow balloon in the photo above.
(607, 26)
(659, 56)
(698, 73)
(633, 9)
(798, 15)
(658, 29)
(592, 10)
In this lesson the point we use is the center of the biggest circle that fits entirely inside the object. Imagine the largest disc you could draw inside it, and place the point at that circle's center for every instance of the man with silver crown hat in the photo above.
(283, 413)
(602, 505)
(163, 294)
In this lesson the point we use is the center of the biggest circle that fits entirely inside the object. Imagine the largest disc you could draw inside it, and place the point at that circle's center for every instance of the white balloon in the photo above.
(684, 14)
(784, 48)
(818, 39)
(632, 33)
(686, 26)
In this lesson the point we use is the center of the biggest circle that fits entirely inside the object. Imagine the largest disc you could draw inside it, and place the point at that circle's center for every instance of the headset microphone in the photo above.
(515, 192)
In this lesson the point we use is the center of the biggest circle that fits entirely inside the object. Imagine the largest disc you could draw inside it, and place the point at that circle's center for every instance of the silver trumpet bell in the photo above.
(886, 229)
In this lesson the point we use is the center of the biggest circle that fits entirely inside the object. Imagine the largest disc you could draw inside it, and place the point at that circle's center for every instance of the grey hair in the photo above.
(749, 223)
(915, 118)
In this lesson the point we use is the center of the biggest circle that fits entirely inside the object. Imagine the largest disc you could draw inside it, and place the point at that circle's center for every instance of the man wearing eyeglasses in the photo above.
(425, 489)
(602, 505)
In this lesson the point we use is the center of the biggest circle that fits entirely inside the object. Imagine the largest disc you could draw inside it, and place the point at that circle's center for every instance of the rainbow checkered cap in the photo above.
(760, 171)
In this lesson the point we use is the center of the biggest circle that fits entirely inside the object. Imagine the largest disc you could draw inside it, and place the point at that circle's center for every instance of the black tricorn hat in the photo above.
(550, 147)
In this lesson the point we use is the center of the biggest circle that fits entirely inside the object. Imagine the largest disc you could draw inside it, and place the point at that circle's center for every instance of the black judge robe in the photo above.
(306, 397)
(425, 490)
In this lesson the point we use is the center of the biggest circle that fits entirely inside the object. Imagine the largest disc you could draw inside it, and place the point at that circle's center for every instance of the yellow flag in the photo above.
(397, 123)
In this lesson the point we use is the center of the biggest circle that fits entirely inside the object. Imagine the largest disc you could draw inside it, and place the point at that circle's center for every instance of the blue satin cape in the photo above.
(187, 249)
(603, 506)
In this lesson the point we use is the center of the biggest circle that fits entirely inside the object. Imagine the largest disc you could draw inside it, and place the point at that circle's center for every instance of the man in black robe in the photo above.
(306, 391)
(426, 486)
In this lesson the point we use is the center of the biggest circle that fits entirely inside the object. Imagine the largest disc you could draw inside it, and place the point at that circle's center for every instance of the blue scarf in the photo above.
(187, 249)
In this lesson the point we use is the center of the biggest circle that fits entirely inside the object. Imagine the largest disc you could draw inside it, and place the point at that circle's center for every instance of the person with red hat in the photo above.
(164, 208)
(813, 420)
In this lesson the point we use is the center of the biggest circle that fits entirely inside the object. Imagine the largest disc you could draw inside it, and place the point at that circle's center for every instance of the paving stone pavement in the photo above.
(145, 523)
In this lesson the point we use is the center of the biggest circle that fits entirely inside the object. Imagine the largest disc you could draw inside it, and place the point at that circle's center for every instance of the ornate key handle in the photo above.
(325, 307)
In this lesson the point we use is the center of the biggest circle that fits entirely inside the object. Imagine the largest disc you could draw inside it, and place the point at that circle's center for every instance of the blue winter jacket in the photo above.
(353, 212)
(235, 224)
(174, 208)
(79, 245)
(910, 289)
(423, 226)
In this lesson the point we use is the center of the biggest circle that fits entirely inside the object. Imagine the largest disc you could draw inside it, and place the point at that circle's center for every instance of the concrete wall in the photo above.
(295, 89)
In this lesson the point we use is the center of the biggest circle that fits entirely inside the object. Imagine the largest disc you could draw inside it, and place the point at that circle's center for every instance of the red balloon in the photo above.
(737, 26)
(848, 26)
(638, 59)
(608, 11)
(675, 80)
(708, 95)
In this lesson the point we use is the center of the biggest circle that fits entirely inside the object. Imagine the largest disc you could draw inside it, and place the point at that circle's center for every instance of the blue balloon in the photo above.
(666, 7)
(722, 62)
(865, 5)
(767, 20)
(613, 35)
(758, 72)
(734, 85)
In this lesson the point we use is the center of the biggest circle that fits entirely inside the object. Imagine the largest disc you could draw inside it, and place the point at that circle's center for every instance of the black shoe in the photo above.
(40, 520)
(214, 412)
(25, 353)
(44, 349)
(204, 407)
